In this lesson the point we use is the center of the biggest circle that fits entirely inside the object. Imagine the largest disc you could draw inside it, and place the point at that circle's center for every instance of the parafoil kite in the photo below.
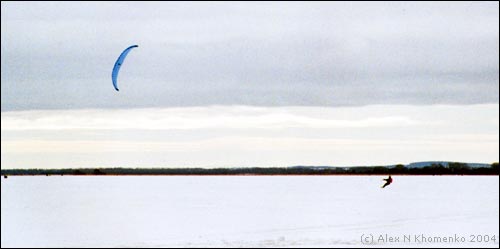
(118, 64)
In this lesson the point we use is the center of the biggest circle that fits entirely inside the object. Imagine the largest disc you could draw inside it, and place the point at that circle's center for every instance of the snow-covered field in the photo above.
(249, 211)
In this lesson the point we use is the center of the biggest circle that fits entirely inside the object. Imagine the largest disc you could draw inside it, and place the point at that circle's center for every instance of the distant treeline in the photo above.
(432, 169)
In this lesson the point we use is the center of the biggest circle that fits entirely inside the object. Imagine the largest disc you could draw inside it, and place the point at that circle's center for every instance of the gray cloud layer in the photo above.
(60, 55)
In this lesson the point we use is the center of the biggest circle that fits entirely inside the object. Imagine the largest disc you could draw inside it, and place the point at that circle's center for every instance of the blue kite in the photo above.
(118, 64)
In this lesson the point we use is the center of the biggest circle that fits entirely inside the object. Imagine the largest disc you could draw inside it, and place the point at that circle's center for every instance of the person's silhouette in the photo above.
(387, 181)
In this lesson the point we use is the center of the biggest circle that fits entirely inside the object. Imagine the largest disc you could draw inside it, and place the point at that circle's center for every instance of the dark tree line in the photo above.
(432, 169)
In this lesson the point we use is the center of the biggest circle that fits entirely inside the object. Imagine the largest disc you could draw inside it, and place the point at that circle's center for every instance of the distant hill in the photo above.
(445, 164)
(411, 165)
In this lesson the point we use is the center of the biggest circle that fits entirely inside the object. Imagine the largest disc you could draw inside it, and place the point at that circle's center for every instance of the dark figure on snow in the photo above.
(387, 181)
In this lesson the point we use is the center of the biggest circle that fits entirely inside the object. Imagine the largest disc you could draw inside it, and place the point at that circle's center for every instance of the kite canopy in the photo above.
(118, 64)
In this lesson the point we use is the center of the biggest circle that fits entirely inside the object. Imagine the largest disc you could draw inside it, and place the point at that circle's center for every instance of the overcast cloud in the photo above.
(60, 55)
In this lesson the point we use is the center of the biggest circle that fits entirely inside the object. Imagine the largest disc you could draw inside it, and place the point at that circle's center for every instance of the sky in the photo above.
(248, 84)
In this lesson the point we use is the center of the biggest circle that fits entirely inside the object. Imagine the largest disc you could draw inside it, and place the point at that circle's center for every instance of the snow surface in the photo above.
(247, 211)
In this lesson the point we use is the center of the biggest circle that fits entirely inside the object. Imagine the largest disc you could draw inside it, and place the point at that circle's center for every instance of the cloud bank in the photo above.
(60, 55)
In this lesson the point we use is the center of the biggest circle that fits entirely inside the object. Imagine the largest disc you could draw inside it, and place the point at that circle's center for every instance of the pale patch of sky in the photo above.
(241, 136)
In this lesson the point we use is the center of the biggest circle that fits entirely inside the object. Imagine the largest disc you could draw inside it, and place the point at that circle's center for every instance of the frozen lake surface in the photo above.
(249, 211)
